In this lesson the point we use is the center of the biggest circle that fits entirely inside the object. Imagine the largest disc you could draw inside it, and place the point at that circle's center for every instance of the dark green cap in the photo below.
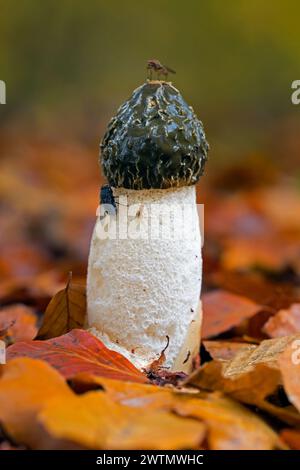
(154, 141)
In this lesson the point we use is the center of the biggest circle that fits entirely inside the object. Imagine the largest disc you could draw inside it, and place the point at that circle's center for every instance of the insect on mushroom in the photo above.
(156, 66)
(107, 199)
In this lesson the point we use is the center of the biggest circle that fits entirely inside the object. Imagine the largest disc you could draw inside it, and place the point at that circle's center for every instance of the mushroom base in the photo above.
(143, 292)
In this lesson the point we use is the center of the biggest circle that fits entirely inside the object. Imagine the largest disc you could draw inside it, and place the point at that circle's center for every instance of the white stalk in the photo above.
(144, 284)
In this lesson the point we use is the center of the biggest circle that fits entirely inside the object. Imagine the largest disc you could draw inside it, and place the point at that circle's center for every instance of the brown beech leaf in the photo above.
(18, 323)
(251, 377)
(50, 415)
(223, 310)
(267, 352)
(226, 350)
(285, 322)
(122, 415)
(95, 421)
(66, 311)
(255, 287)
(78, 351)
(230, 425)
(251, 387)
(25, 385)
(291, 437)
(289, 363)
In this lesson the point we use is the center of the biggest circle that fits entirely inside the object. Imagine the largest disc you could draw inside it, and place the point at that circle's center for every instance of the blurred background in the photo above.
(68, 65)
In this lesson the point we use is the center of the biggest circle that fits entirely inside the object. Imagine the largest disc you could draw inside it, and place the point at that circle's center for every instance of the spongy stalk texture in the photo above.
(141, 291)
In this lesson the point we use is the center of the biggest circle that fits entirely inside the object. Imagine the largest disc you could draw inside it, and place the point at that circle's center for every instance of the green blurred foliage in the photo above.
(69, 64)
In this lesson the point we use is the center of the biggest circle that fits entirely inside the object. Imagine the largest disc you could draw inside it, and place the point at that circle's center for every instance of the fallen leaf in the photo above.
(251, 387)
(50, 415)
(226, 350)
(230, 425)
(95, 421)
(256, 287)
(268, 353)
(253, 328)
(67, 310)
(251, 377)
(223, 310)
(25, 386)
(19, 323)
(285, 322)
(78, 351)
(61, 423)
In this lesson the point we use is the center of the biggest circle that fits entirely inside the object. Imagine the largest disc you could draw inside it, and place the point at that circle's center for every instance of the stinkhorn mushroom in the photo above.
(143, 292)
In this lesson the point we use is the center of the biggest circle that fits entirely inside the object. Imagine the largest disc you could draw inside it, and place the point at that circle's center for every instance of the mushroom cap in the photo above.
(154, 141)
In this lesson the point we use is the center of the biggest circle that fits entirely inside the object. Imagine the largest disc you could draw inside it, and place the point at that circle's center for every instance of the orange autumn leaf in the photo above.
(95, 421)
(223, 310)
(60, 423)
(18, 322)
(50, 415)
(78, 351)
(66, 311)
(285, 322)
(250, 377)
(231, 426)
(224, 418)
(266, 353)
(251, 386)
(25, 385)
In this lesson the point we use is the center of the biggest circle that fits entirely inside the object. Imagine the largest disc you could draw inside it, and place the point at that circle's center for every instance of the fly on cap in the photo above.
(154, 141)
